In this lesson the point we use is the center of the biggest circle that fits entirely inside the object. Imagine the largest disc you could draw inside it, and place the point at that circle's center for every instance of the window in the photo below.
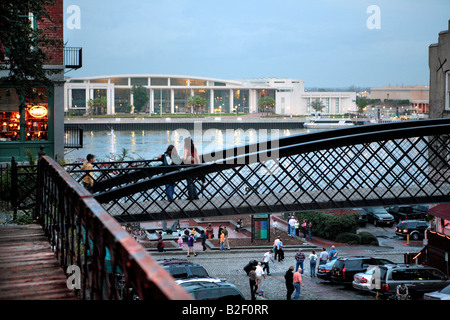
(405, 274)
(139, 81)
(199, 272)
(179, 272)
(178, 82)
(194, 82)
(119, 81)
(99, 81)
(159, 82)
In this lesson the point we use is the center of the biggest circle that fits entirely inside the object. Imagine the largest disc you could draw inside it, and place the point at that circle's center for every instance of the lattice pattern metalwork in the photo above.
(374, 165)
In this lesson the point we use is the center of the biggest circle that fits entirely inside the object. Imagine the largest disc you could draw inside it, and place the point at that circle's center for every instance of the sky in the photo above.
(327, 43)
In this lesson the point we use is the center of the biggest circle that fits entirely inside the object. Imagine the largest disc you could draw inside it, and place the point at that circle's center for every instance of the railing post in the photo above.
(14, 187)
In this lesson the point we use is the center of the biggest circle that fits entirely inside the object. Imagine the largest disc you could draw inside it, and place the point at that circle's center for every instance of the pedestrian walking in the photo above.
(190, 156)
(312, 263)
(253, 282)
(88, 179)
(298, 283)
(323, 257)
(190, 243)
(309, 230)
(180, 241)
(160, 244)
(222, 241)
(292, 227)
(275, 248)
(288, 225)
(280, 250)
(225, 232)
(259, 276)
(333, 254)
(299, 258)
(170, 157)
(289, 277)
(275, 226)
(203, 237)
(219, 231)
(297, 226)
(265, 261)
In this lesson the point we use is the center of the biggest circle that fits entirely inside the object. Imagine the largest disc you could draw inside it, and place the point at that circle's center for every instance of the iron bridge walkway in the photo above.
(371, 165)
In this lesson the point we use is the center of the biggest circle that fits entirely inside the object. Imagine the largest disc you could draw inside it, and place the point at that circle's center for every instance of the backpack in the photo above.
(167, 160)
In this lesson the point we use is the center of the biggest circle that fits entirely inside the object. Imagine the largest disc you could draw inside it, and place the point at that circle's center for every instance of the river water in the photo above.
(148, 144)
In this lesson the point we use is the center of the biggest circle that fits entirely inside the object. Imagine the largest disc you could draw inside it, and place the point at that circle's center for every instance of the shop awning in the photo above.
(441, 210)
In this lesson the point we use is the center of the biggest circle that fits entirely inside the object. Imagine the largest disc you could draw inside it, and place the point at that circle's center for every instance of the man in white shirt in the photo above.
(259, 276)
(292, 227)
(266, 258)
(323, 257)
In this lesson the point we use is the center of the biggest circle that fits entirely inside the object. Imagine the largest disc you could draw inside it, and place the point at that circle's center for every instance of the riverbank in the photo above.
(141, 122)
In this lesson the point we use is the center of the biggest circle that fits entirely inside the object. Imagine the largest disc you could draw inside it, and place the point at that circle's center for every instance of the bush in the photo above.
(368, 238)
(350, 238)
(329, 224)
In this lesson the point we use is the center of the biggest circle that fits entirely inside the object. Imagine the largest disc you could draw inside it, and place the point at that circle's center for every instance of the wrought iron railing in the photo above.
(73, 137)
(73, 57)
(375, 165)
(87, 240)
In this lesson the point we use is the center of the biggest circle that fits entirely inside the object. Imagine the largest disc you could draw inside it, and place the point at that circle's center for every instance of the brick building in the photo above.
(41, 122)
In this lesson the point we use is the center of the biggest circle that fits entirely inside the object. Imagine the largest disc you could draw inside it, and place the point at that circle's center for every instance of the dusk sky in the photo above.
(328, 43)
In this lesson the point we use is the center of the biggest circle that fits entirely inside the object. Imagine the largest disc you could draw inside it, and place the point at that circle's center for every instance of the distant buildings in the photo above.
(169, 94)
(413, 99)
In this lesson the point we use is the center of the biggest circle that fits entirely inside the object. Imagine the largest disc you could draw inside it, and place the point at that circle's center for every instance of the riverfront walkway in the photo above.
(29, 269)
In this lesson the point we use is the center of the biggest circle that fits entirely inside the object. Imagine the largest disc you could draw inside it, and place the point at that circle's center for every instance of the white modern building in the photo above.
(169, 94)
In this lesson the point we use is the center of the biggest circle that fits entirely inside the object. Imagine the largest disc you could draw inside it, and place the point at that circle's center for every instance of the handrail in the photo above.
(298, 144)
(84, 235)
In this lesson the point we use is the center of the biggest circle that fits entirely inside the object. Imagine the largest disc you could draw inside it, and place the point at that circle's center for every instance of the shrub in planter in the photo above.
(368, 238)
(330, 223)
(350, 238)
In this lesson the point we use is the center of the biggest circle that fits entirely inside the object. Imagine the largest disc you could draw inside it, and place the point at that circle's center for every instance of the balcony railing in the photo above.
(73, 137)
(73, 57)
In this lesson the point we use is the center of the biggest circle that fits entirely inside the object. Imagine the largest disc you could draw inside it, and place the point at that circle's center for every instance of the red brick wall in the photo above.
(54, 30)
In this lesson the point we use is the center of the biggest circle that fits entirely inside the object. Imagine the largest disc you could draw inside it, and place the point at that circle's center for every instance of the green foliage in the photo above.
(347, 237)
(368, 238)
(140, 97)
(266, 104)
(197, 103)
(329, 224)
(317, 105)
(22, 45)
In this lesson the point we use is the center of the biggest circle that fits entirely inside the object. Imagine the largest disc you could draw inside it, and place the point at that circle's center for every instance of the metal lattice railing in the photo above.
(374, 165)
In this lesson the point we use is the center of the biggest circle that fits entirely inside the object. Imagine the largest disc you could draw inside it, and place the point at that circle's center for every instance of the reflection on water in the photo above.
(151, 144)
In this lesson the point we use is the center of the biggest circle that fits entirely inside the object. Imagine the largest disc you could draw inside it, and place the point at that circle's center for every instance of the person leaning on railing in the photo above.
(88, 179)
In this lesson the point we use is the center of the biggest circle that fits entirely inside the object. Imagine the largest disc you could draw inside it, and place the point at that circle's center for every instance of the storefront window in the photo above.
(33, 119)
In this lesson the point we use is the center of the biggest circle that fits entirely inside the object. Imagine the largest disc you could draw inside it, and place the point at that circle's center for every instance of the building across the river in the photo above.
(169, 94)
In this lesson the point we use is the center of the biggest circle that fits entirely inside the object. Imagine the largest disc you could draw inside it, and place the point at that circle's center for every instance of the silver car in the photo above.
(365, 280)
(443, 294)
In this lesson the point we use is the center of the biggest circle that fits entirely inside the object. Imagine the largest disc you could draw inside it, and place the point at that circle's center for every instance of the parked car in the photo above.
(414, 228)
(183, 269)
(406, 212)
(379, 216)
(419, 279)
(362, 219)
(324, 270)
(443, 294)
(212, 289)
(365, 280)
(345, 269)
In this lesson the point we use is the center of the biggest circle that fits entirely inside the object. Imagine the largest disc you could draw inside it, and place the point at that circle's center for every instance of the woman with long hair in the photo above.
(170, 157)
(190, 156)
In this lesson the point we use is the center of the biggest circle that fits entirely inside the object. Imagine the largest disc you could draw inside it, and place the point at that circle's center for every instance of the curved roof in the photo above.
(231, 82)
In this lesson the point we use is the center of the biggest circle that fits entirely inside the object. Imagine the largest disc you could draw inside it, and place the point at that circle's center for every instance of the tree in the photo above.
(266, 104)
(21, 45)
(140, 97)
(197, 104)
(361, 103)
(317, 105)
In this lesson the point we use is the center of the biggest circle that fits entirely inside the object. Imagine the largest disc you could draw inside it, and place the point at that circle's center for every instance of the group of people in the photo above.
(190, 236)
(190, 156)
(293, 227)
(294, 275)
